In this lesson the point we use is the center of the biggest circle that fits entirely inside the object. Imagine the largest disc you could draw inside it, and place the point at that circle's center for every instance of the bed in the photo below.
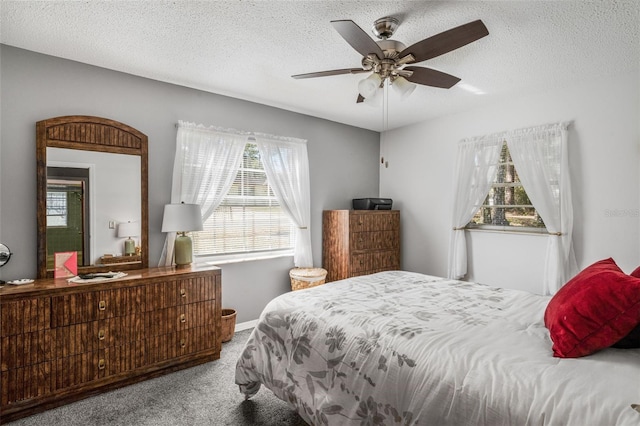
(410, 349)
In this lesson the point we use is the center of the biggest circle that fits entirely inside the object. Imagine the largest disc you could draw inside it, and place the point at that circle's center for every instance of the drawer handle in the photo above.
(101, 364)
(102, 305)
(101, 335)
(183, 343)
(183, 318)
(183, 292)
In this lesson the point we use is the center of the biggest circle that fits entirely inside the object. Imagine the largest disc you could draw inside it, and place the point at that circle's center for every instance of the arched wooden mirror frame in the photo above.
(89, 134)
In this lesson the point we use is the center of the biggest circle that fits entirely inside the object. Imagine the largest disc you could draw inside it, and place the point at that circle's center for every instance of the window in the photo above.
(507, 204)
(57, 209)
(249, 219)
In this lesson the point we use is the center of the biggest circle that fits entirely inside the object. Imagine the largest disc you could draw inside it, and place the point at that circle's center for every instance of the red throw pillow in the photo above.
(636, 272)
(594, 310)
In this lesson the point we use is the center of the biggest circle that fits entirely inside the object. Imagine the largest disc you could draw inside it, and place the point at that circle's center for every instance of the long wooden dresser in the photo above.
(61, 342)
(360, 242)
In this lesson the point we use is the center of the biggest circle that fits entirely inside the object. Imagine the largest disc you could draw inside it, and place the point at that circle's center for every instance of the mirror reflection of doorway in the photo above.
(68, 213)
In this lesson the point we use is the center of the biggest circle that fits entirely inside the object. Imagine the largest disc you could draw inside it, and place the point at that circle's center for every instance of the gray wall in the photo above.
(343, 160)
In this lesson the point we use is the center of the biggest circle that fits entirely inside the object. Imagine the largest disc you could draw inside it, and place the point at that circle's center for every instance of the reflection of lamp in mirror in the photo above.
(128, 230)
(182, 218)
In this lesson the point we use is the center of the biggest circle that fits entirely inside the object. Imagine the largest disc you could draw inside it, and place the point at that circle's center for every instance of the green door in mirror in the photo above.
(67, 213)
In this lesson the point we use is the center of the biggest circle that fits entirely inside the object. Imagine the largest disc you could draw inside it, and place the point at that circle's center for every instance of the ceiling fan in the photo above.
(390, 59)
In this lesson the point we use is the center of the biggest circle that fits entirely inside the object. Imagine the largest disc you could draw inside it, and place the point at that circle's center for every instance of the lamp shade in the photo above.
(182, 218)
(403, 86)
(128, 229)
(368, 86)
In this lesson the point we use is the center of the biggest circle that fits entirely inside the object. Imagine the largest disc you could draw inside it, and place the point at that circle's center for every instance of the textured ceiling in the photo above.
(250, 49)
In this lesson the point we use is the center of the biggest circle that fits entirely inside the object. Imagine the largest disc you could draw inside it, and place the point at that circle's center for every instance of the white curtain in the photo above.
(286, 164)
(476, 167)
(206, 163)
(540, 157)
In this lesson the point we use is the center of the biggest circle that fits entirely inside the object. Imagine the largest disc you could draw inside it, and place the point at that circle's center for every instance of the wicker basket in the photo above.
(228, 324)
(306, 277)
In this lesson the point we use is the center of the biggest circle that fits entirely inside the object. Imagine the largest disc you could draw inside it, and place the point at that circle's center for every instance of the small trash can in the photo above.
(228, 324)
(306, 277)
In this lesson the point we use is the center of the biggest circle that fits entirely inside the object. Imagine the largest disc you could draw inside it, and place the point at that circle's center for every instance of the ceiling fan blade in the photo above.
(360, 98)
(431, 77)
(330, 73)
(446, 41)
(357, 38)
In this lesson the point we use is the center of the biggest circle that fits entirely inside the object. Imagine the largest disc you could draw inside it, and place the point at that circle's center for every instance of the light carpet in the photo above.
(201, 395)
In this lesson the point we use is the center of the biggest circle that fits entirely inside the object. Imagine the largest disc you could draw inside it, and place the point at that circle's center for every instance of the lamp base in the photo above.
(183, 250)
(129, 247)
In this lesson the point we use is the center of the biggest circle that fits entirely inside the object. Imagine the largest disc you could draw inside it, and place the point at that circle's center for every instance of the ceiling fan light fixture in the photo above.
(368, 87)
(403, 86)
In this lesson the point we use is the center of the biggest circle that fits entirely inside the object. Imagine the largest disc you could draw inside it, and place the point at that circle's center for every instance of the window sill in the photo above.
(222, 260)
(509, 230)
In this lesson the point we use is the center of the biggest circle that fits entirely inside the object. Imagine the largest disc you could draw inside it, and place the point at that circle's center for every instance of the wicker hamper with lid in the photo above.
(306, 277)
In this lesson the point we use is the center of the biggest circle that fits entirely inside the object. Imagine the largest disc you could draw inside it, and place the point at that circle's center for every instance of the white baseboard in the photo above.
(246, 325)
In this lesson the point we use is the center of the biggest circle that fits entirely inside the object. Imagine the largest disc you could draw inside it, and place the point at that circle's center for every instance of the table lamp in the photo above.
(128, 230)
(182, 218)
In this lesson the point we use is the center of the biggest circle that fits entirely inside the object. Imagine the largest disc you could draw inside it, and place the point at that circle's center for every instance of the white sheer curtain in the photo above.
(476, 167)
(540, 157)
(286, 164)
(206, 163)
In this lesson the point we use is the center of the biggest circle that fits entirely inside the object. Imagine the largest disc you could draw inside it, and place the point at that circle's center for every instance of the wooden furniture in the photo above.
(360, 242)
(110, 260)
(87, 133)
(60, 341)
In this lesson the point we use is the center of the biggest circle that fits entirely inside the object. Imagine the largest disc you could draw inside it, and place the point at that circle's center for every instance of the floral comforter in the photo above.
(410, 349)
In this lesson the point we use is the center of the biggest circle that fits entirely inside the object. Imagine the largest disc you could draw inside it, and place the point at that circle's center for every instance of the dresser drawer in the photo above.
(360, 221)
(176, 318)
(182, 343)
(375, 261)
(35, 380)
(387, 260)
(196, 289)
(24, 316)
(361, 263)
(95, 305)
(382, 240)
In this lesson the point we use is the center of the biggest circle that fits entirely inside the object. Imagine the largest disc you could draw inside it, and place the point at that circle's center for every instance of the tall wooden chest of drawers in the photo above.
(360, 242)
(60, 342)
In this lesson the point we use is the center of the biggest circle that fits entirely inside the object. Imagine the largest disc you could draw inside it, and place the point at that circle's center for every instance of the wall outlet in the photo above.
(112, 224)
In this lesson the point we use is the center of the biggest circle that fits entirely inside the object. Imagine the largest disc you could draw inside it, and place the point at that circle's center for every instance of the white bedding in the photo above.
(405, 348)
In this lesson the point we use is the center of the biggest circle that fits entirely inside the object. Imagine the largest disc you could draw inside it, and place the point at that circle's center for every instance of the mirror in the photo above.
(5, 255)
(92, 189)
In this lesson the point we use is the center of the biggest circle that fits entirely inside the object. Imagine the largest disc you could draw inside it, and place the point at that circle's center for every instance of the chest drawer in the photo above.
(378, 261)
(374, 240)
(361, 221)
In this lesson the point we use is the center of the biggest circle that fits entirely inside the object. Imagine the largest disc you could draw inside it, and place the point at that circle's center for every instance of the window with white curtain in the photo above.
(507, 205)
(249, 219)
